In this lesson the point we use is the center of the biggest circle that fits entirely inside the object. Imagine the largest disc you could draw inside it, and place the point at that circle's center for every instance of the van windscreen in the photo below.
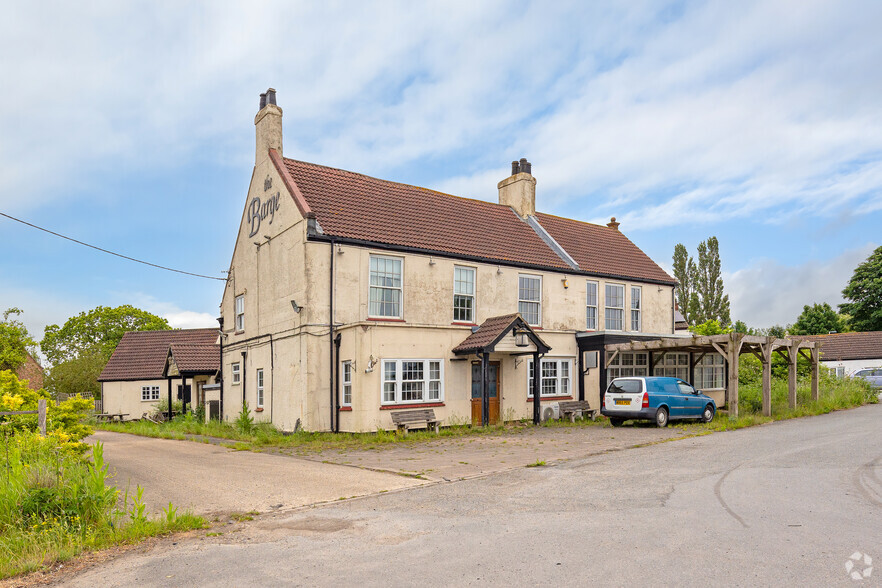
(624, 387)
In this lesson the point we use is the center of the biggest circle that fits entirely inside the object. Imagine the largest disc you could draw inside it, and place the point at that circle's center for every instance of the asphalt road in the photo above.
(209, 479)
(782, 504)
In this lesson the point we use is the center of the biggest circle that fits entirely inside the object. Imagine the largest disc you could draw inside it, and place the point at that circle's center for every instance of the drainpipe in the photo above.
(244, 371)
(272, 379)
(337, 383)
(331, 340)
(221, 371)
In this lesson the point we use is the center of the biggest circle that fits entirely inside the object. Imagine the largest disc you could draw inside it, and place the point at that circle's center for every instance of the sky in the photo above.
(130, 126)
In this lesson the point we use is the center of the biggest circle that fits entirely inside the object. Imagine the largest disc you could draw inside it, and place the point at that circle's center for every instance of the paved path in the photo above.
(210, 478)
(459, 458)
(781, 504)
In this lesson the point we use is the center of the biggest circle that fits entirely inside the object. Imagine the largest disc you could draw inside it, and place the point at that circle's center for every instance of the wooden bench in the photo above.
(574, 407)
(415, 419)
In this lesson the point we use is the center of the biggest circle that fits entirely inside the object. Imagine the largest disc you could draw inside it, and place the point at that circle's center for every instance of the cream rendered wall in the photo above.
(853, 365)
(125, 397)
(268, 268)
(427, 331)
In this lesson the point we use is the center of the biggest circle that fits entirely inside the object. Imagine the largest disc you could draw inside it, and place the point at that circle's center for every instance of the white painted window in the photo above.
(555, 378)
(260, 388)
(840, 371)
(149, 393)
(628, 364)
(463, 294)
(636, 306)
(385, 288)
(347, 383)
(240, 312)
(615, 307)
(591, 309)
(412, 381)
(236, 372)
(530, 298)
(710, 372)
(673, 365)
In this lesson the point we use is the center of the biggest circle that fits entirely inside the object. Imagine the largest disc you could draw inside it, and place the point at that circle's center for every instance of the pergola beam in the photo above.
(731, 346)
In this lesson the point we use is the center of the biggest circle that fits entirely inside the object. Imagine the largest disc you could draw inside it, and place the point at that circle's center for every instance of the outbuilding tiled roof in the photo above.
(141, 355)
(359, 207)
(842, 346)
(196, 358)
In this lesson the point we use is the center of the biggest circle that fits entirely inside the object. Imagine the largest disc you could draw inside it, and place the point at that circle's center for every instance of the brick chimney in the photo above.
(519, 190)
(268, 125)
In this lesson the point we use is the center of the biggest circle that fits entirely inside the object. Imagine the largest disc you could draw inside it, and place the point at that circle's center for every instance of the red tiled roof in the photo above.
(196, 358)
(602, 250)
(141, 355)
(841, 346)
(360, 207)
(489, 331)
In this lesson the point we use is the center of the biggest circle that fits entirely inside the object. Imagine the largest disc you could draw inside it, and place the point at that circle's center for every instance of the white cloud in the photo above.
(177, 317)
(187, 319)
(768, 293)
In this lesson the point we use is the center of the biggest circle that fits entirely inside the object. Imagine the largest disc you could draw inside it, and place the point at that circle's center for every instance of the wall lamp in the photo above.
(297, 308)
(521, 338)
(565, 282)
(371, 363)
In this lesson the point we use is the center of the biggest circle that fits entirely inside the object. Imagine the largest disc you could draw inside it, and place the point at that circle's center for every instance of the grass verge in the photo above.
(54, 504)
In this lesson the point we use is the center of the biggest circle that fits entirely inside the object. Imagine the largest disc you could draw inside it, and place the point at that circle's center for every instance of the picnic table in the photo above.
(109, 417)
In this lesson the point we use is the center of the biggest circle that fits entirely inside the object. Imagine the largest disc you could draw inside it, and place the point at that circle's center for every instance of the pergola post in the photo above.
(485, 389)
(793, 356)
(767, 375)
(816, 356)
(733, 353)
(536, 383)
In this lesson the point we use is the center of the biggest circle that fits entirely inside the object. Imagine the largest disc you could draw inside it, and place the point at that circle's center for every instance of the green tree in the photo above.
(741, 327)
(817, 319)
(711, 327)
(15, 341)
(700, 292)
(864, 293)
(684, 270)
(77, 375)
(98, 330)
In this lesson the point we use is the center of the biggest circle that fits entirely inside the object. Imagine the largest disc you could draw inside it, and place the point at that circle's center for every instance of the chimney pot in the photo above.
(262, 101)
(271, 96)
(268, 126)
(514, 168)
(613, 224)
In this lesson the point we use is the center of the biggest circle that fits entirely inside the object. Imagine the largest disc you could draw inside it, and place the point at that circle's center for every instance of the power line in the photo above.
(111, 252)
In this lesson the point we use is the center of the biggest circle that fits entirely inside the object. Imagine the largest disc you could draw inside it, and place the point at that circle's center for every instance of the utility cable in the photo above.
(111, 252)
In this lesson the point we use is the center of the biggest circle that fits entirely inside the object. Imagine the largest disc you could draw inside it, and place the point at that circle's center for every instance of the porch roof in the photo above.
(491, 332)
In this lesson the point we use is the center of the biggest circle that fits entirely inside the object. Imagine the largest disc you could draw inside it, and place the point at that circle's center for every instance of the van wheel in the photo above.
(616, 422)
(708, 414)
(661, 417)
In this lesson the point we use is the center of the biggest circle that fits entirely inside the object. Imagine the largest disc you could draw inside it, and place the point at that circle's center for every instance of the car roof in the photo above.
(651, 378)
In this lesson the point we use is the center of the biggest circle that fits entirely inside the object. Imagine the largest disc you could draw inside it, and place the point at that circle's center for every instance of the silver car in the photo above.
(872, 375)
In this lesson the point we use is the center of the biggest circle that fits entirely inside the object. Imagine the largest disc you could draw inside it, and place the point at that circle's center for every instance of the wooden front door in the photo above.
(493, 386)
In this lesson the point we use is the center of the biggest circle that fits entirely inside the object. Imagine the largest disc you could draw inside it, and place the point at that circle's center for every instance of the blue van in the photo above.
(655, 399)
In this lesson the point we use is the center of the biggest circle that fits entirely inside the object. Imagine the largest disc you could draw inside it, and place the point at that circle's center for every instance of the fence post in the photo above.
(41, 415)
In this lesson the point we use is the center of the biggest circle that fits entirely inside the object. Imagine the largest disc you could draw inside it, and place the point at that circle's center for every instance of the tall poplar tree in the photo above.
(700, 292)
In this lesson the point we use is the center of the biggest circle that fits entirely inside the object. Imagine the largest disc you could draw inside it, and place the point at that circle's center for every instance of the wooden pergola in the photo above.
(731, 346)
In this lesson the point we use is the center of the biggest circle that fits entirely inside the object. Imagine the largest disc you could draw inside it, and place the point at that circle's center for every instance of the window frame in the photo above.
(258, 378)
(537, 302)
(347, 383)
(589, 306)
(239, 313)
(716, 365)
(427, 381)
(638, 310)
(150, 393)
(615, 368)
(607, 308)
(399, 288)
(473, 296)
(672, 366)
(558, 378)
(235, 373)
